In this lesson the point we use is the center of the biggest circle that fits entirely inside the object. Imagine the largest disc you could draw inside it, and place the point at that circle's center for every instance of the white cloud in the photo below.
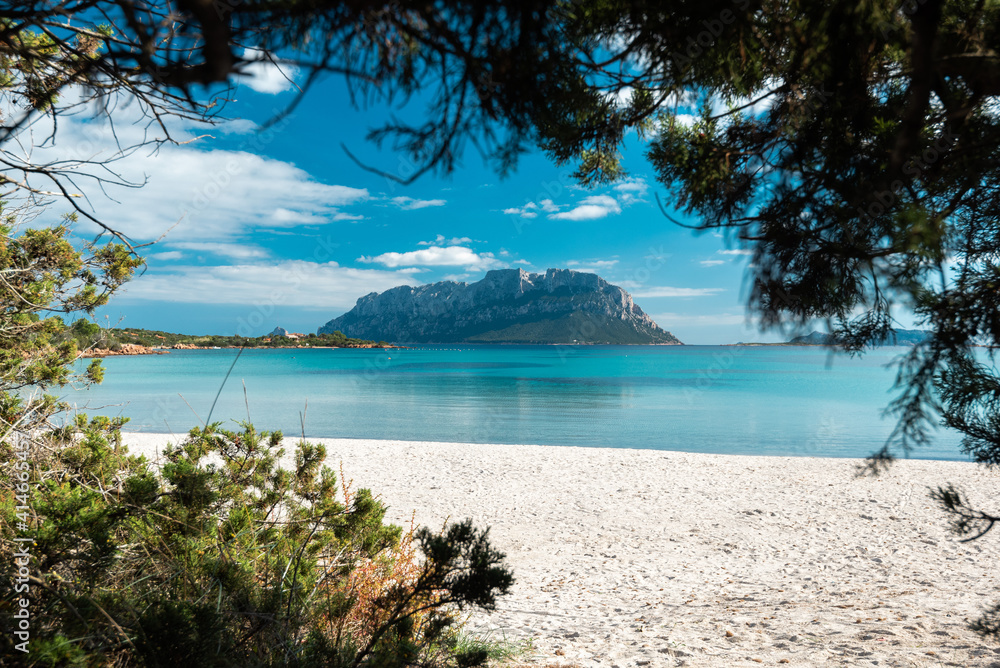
(594, 265)
(667, 320)
(437, 256)
(686, 120)
(622, 97)
(215, 195)
(169, 255)
(282, 217)
(441, 241)
(265, 76)
(409, 203)
(531, 209)
(735, 252)
(237, 126)
(289, 283)
(711, 263)
(197, 192)
(234, 251)
(590, 208)
(526, 211)
(632, 190)
(666, 291)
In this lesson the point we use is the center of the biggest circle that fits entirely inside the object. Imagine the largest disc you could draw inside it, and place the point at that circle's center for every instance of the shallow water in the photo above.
(718, 399)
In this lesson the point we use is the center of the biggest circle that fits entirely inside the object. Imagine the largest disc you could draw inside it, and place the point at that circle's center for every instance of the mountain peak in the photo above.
(506, 306)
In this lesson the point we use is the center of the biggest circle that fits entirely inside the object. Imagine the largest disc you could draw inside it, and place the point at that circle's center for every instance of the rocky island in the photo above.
(506, 306)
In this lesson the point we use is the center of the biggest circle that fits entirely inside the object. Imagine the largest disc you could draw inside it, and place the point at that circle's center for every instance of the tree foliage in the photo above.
(178, 58)
(852, 149)
(43, 278)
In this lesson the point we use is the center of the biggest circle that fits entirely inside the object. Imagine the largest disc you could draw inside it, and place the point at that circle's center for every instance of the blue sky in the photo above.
(259, 229)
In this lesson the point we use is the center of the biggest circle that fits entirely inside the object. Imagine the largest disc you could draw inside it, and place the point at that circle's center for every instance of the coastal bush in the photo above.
(85, 332)
(222, 557)
(219, 557)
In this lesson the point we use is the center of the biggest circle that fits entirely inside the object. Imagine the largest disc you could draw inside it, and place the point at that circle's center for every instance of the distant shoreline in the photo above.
(130, 349)
(135, 350)
(780, 343)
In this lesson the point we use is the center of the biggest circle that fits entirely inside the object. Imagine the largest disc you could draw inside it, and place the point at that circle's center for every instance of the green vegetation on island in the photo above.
(89, 336)
(573, 328)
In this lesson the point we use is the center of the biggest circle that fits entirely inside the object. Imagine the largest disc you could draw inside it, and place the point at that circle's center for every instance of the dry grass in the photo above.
(371, 579)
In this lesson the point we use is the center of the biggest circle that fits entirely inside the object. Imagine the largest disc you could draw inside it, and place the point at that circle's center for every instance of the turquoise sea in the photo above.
(717, 399)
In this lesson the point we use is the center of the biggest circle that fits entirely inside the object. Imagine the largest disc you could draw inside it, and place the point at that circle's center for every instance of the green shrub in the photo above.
(221, 557)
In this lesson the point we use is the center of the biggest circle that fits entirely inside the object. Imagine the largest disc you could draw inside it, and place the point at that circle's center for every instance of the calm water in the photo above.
(740, 400)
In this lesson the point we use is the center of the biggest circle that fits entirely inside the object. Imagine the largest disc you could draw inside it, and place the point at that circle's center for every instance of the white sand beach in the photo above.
(651, 558)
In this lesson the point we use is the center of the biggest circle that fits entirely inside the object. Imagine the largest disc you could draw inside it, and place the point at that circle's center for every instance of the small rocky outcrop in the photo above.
(124, 349)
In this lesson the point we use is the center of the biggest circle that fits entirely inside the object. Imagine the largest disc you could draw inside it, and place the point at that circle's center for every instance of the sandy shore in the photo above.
(649, 558)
